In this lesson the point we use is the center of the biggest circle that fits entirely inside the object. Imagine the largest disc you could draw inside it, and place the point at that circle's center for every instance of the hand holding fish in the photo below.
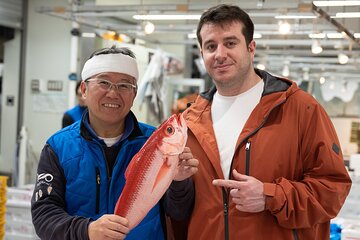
(108, 227)
(187, 166)
(246, 192)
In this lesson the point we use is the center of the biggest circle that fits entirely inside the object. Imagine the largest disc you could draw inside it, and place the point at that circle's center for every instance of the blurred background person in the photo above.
(74, 114)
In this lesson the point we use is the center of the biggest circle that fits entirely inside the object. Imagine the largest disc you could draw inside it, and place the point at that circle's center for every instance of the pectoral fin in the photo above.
(162, 173)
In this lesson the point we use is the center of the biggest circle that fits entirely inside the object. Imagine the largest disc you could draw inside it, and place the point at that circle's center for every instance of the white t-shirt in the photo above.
(229, 115)
(111, 141)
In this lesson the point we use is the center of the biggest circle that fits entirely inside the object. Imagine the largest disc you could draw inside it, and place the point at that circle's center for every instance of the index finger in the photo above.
(118, 219)
(226, 183)
(186, 150)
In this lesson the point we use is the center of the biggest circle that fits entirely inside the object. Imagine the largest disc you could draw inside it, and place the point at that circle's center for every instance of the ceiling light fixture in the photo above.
(260, 66)
(322, 80)
(191, 35)
(306, 73)
(317, 35)
(316, 47)
(149, 27)
(88, 34)
(336, 3)
(343, 58)
(284, 27)
(257, 35)
(260, 3)
(334, 35)
(166, 17)
(347, 15)
(295, 17)
(286, 70)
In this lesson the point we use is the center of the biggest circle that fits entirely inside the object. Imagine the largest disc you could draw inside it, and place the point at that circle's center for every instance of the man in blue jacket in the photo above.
(81, 169)
(74, 114)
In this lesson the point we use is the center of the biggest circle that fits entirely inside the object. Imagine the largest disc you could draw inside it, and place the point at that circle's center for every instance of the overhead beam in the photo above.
(339, 27)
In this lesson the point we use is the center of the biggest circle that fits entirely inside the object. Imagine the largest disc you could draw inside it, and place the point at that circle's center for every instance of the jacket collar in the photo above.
(132, 129)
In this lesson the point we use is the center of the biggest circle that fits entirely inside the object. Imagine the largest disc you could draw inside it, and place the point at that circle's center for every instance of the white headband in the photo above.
(116, 62)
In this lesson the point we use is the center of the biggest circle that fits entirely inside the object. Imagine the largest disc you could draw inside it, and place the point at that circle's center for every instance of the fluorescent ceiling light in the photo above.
(334, 35)
(347, 15)
(257, 35)
(317, 35)
(88, 34)
(166, 17)
(295, 17)
(336, 3)
(191, 35)
(357, 35)
(260, 66)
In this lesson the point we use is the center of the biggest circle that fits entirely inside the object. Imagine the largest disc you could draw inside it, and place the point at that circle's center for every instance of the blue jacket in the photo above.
(72, 115)
(81, 188)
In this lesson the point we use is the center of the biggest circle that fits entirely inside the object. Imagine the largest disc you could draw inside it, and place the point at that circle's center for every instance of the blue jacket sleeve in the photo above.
(48, 207)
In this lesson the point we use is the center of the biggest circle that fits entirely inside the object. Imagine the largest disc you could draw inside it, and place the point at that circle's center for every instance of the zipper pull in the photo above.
(98, 178)
(247, 146)
(247, 160)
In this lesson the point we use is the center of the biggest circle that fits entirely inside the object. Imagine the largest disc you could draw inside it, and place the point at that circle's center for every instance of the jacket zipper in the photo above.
(247, 172)
(226, 213)
(296, 237)
(97, 209)
(247, 150)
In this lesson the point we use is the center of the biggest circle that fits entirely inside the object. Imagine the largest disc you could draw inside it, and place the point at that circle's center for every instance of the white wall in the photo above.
(47, 58)
(9, 113)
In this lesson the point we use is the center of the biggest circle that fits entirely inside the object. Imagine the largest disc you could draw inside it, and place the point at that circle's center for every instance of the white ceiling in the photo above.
(273, 49)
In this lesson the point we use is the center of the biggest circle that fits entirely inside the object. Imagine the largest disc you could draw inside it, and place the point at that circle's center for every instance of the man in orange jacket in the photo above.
(270, 163)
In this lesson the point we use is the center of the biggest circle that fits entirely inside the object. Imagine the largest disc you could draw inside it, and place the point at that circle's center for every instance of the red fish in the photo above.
(151, 170)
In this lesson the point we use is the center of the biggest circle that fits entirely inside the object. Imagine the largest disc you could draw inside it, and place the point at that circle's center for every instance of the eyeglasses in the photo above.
(107, 85)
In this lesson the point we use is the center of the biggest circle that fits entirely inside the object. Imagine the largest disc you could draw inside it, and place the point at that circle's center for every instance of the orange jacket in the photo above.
(293, 150)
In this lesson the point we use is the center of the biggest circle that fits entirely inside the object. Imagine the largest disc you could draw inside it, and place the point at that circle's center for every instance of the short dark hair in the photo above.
(223, 14)
(113, 50)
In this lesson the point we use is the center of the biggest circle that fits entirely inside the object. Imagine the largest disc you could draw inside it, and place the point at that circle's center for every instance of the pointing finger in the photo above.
(226, 183)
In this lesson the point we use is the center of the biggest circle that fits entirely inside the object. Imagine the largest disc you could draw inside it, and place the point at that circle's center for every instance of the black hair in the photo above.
(78, 83)
(113, 50)
(224, 14)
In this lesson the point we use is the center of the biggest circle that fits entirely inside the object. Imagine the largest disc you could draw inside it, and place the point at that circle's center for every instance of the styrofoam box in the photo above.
(17, 236)
(19, 194)
(19, 226)
(350, 228)
(350, 234)
(15, 213)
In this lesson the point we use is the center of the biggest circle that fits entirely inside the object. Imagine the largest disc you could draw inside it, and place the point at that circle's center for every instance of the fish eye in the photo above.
(170, 130)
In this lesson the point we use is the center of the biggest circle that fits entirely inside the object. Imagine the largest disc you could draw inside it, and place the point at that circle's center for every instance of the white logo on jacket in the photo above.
(46, 176)
(43, 185)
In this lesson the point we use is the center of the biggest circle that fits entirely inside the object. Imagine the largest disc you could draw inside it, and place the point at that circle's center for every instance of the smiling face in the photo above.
(227, 57)
(108, 108)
